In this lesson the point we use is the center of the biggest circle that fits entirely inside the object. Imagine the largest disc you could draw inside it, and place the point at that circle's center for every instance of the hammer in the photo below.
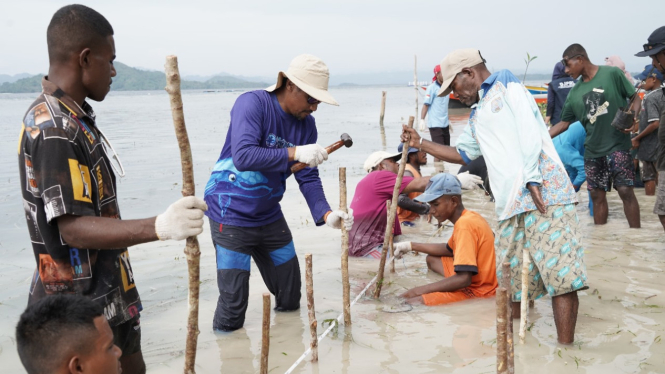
(345, 140)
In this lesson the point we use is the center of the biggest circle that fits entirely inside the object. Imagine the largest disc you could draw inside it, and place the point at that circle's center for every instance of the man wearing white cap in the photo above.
(369, 202)
(534, 197)
(270, 130)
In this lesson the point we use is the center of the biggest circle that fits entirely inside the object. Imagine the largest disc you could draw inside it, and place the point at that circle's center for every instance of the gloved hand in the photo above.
(401, 249)
(182, 219)
(311, 154)
(422, 125)
(336, 217)
(469, 181)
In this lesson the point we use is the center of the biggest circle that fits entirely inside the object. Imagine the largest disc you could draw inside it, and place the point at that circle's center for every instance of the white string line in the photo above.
(339, 320)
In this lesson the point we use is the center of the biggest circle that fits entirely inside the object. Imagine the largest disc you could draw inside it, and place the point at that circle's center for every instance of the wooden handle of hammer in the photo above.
(330, 149)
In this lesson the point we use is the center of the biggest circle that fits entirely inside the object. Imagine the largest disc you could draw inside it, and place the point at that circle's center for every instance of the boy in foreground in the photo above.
(467, 261)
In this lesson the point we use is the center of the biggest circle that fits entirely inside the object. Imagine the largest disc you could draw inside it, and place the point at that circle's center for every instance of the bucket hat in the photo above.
(655, 43)
(310, 74)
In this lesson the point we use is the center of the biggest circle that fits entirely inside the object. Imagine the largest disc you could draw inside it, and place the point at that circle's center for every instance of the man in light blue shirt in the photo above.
(437, 108)
(535, 200)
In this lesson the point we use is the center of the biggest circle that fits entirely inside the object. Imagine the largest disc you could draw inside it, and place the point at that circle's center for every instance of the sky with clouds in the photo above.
(257, 38)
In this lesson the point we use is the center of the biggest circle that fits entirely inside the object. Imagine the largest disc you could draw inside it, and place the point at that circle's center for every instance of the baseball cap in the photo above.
(650, 71)
(376, 158)
(439, 185)
(437, 69)
(655, 43)
(400, 148)
(453, 64)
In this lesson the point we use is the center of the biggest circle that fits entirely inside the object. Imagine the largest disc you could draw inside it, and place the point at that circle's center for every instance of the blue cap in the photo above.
(650, 71)
(400, 147)
(439, 185)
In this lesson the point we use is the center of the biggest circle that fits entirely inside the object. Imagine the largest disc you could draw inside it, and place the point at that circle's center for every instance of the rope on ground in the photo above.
(332, 325)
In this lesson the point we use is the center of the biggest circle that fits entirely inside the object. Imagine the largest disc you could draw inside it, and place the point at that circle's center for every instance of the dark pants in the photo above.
(440, 135)
(271, 247)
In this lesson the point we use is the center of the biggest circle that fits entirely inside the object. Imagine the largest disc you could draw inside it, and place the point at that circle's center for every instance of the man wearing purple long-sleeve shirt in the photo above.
(270, 130)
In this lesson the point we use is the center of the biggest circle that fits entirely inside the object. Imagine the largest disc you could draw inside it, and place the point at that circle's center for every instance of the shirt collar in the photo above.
(487, 84)
(80, 111)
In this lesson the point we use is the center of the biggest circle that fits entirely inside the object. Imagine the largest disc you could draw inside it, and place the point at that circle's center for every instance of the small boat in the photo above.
(538, 93)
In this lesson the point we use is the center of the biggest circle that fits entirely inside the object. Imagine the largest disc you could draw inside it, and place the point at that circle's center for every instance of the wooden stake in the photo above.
(415, 81)
(390, 243)
(265, 338)
(383, 112)
(505, 283)
(192, 245)
(391, 215)
(346, 288)
(525, 294)
(310, 307)
(501, 330)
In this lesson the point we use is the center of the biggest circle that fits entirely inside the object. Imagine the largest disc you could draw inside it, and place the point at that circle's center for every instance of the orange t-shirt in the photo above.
(472, 244)
(404, 214)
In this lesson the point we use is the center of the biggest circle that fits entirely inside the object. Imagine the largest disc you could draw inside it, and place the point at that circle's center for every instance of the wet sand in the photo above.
(620, 321)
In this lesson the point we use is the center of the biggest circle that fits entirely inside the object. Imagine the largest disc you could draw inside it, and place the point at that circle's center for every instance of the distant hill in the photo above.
(132, 79)
(12, 78)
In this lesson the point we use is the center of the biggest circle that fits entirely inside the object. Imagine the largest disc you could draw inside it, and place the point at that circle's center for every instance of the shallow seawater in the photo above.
(619, 328)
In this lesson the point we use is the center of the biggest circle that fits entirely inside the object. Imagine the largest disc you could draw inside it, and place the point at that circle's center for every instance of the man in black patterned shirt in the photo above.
(69, 189)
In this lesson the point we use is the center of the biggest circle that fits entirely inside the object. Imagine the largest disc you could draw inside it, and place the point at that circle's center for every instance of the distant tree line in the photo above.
(132, 79)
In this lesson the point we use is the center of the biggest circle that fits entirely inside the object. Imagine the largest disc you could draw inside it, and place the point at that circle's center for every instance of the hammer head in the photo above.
(346, 138)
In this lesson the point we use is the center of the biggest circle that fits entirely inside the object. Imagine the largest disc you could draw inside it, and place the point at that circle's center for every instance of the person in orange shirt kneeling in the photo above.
(467, 261)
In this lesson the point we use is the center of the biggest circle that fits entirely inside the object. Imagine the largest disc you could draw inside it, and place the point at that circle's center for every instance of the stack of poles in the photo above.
(309, 281)
(265, 338)
(505, 354)
(346, 288)
(192, 245)
(391, 215)
(383, 112)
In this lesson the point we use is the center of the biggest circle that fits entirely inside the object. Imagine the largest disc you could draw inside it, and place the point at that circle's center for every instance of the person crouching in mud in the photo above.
(467, 261)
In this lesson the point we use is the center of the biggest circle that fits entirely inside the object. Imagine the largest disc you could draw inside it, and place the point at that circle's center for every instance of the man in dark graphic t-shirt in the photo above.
(594, 102)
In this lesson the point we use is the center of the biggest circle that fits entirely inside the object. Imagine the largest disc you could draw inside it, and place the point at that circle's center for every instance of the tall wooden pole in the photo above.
(192, 245)
(265, 336)
(383, 112)
(525, 294)
(505, 283)
(415, 81)
(346, 288)
(309, 281)
(501, 331)
(391, 215)
(390, 243)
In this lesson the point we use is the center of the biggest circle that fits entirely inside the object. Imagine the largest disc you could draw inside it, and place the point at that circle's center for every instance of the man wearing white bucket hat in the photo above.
(270, 130)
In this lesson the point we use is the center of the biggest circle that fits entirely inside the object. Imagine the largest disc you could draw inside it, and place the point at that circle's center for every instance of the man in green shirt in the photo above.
(594, 101)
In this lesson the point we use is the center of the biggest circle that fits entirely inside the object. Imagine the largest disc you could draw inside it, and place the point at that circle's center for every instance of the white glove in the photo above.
(336, 217)
(422, 125)
(311, 154)
(182, 219)
(469, 181)
(401, 249)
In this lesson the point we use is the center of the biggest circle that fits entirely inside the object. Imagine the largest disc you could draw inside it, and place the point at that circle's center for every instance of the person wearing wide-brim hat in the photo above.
(655, 48)
(270, 130)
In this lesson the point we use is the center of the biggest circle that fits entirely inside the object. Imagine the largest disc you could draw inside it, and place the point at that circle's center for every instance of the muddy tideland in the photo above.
(621, 319)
